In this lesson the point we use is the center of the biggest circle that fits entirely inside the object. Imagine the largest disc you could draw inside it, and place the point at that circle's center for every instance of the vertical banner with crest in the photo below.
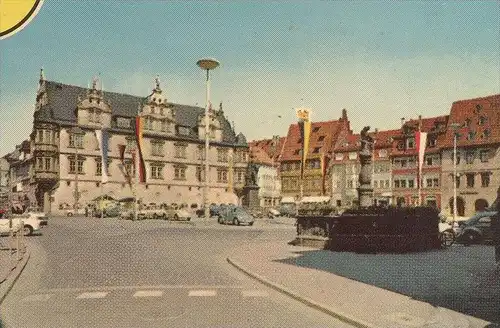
(304, 117)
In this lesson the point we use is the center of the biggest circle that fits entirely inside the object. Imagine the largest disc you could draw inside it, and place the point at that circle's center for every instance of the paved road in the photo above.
(111, 273)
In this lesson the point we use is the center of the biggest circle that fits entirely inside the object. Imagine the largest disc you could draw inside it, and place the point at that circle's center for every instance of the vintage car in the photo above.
(236, 216)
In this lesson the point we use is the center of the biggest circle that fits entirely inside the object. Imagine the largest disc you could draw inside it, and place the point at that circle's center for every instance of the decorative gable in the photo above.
(93, 109)
(158, 115)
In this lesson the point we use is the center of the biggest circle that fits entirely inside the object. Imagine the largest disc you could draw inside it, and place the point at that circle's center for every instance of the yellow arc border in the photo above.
(23, 22)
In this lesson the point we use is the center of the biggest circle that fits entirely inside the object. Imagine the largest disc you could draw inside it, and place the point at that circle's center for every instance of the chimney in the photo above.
(344, 114)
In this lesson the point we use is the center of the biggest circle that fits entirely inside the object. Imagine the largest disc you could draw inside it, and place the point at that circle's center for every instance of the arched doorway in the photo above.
(480, 205)
(460, 206)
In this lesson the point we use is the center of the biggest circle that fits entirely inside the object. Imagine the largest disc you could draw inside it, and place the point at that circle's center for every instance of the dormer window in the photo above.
(471, 135)
(478, 108)
(487, 133)
(321, 138)
(410, 143)
(431, 142)
(482, 120)
(94, 116)
(467, 122)
(316, 129)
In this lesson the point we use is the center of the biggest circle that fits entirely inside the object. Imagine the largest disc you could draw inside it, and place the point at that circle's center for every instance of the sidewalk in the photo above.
(10, 267)
(360, 304)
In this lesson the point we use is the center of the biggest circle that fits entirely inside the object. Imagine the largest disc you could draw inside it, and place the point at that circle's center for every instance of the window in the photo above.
(123, 122)
(387, 183)
(470, 180)
(200, 173)
(467, 122)
(148, 123)
(487, 133)
(76, 165)
(129, 168)
(485, 179)
(180, 173)
(484, 155)
(375, 183)
(222, 155)
(353, 155)
(482, 120)
(411, 183)
(410, 143)
(98, 163)
(428, 183)
(39, 163)
(156, 171)
(180, 151)
(221, 175)
(382, 153)
(156, 148)
(76, 140)
(431, 142)
(201, 153)
(316, 129)
(469, 157)
(458, 157)
(403, 183)
(240, 177)
(297, 151)
(471, 135)
(48, 136)
(131, 144)
(350, 183)
(316, 150)
(457, 181)
(321, 138)
(435, 182)
(339, 157)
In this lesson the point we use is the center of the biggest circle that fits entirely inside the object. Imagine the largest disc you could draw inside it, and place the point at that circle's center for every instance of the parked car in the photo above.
(236, 216)
(71, 212)
(177, 214)
(273, 213)
(111, 212)
(213, 208)
(31, 224)
(446, 233)
(477, 229)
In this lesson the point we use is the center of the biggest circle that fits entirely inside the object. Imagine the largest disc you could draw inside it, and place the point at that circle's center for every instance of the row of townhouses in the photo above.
(62, 149)
(333, 166)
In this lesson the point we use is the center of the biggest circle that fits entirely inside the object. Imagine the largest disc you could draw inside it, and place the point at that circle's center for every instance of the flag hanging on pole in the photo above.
(125, 171)
(303, 114)
(140, 149)
(421, 141)
(102, 140)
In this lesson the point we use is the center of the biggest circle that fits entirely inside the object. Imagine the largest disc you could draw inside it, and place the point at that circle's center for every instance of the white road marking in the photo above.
(202, 293)
(254, 293)
(148, 293)
(92, 295)
(38, 298)
(140, 287)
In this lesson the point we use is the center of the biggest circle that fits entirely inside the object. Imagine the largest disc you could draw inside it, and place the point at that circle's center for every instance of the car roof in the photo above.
(479, 215)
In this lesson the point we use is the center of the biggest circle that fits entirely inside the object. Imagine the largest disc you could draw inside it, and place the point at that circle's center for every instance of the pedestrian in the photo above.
(86, 211)
(496, 230)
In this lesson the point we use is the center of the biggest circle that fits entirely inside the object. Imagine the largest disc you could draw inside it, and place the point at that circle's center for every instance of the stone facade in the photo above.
(173, 148)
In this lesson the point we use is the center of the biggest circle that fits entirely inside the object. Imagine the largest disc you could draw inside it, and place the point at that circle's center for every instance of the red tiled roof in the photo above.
(383, 139)
(267, 146)
(479, 119)
(322, 139)
(431, 125)
(259, 156)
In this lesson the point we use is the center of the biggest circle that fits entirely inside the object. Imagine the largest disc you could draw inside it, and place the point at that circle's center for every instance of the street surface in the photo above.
(112, 273)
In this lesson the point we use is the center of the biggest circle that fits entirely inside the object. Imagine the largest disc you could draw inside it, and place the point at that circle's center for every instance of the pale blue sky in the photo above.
(379, 60)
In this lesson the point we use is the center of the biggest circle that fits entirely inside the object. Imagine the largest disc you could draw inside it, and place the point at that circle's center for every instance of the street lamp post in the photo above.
(454, 126)
(207, 64)
(76, 131)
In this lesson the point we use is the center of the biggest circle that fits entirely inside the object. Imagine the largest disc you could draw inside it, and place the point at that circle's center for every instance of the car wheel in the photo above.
(189, 219)
(176, 217)
(27, 230)
(236, 222)
(447, 238)
(69, 214)
(155, 217)
(470, 238)
(250, 224)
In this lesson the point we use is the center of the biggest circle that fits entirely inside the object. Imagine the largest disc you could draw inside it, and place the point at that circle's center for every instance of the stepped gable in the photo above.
(322, 139)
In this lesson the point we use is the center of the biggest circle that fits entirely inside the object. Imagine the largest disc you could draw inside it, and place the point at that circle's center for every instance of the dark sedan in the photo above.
(477, 229)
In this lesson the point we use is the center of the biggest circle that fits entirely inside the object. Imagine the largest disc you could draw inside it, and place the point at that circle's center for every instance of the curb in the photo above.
(9, 283)
(307, 301)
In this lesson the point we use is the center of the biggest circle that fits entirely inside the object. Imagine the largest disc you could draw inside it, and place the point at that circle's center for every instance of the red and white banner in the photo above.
(421, 141)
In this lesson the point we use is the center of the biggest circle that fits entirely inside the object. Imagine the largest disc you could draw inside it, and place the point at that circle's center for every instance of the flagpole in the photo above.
(419, 165)
(102, 199)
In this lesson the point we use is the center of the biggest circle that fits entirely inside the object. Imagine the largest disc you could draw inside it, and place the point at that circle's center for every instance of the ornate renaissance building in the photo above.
(65, 152)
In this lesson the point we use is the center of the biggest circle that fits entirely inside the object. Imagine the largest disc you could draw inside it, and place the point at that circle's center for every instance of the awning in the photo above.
(288, 200)
(315, 199)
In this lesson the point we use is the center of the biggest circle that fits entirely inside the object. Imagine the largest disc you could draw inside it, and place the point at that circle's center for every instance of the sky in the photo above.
(379, 60)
